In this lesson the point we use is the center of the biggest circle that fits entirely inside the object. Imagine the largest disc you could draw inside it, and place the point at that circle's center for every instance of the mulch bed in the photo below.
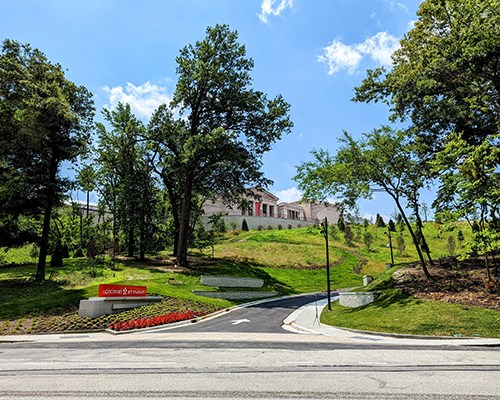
(463, 283)
(67, 319)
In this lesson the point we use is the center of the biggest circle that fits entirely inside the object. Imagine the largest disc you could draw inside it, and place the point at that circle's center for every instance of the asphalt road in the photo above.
(244, 354)
(266, 317)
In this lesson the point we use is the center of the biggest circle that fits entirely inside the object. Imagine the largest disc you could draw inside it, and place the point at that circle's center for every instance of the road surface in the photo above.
(230, 358)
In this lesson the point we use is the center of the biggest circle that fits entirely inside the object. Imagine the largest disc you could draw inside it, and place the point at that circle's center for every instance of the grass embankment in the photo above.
(289, 262)
(396, 312)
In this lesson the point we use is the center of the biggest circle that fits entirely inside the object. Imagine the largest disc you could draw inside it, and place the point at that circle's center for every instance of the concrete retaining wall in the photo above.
(231, 281)
(356, 299)
(243, 295)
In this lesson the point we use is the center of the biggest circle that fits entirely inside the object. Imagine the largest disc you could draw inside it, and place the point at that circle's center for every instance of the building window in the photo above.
(271, 211)
(250, 208)
(264, 210)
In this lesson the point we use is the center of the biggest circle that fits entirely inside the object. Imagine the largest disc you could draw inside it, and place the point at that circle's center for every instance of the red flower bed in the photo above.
(153, 321)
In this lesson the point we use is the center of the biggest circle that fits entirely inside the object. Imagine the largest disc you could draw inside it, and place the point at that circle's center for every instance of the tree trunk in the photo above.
(175, 214)
(131, 243)
(424, 244)
(414, 238)
(142, 244)
(44, 243)
(44, 240)
(184, 225)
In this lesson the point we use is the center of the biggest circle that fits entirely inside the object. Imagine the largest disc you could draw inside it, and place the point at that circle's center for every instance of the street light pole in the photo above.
(328, 288)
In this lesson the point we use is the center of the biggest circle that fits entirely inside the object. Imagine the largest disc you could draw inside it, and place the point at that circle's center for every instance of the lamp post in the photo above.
(328, 288)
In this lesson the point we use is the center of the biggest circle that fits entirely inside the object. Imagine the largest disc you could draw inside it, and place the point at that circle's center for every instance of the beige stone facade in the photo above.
(316, 212)
(263, 204)
(290, 211)
(259, 203)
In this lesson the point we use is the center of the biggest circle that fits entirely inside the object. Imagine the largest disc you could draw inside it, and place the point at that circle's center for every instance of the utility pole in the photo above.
(328, 288)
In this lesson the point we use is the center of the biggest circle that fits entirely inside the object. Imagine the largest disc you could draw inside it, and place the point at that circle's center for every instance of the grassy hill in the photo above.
(289, 262)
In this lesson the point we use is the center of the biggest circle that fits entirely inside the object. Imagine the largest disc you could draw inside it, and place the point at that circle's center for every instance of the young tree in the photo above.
(400, 244)
(45, 120)
(216, 147)
(379, 222)
(368, 240)
(381, 161)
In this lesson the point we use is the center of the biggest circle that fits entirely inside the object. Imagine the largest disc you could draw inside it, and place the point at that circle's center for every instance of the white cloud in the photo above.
(379, 47)
(339, 56)
(143, 99)
(411, 24)
(289, 195)
(273, 7)
(396, 5)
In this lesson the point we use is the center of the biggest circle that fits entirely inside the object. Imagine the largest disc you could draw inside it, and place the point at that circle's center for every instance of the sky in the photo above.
(313, 52)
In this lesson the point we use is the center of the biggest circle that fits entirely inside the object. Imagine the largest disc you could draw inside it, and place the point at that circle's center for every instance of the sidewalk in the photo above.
(305, 320)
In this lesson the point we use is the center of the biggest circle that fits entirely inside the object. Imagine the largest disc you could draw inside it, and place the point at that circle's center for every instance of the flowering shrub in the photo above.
(153, 321)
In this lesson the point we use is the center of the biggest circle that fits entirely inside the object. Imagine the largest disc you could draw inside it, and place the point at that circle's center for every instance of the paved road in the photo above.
(263, 366)
(266, 317)
(229, 358)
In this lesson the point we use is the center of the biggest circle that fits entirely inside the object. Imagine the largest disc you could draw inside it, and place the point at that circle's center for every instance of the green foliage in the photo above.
(391, 226)
(244, 225)
(400, 244)
(444, 80)
(233, 225)
(348, 235)
(215, 145)
(379, 222)
(382, 160)
(368, 240)
(125, 180)
(452, 245)
(341, 224)
(45, 120)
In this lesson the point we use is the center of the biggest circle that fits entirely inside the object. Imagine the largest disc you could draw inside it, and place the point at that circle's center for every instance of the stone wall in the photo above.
(356, 299)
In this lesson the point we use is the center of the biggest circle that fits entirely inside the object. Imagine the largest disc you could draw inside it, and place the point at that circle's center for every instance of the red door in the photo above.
(257, 209)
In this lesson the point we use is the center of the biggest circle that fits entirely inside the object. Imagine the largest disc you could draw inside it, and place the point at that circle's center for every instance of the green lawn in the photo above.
(289, 262)
(396, 312)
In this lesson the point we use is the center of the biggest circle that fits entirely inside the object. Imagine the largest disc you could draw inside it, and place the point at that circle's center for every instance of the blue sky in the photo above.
(313, 52)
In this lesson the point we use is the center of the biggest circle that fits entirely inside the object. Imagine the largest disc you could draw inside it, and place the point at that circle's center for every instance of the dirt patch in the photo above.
(463, 283)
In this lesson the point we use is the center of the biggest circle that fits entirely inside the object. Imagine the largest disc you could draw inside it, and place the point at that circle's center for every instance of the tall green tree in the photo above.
(125, 180)
(45, 120)
(445, 82)
(226, 127)
(381, 161)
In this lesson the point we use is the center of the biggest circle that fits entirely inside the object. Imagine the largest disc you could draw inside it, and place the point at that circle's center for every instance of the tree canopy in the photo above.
(381, 161)
(445, 81)
(215, 145)
(45, 119)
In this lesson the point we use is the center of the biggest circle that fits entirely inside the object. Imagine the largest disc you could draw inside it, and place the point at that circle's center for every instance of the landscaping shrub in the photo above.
(269, 227)
(260, 228)
(244, 225)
